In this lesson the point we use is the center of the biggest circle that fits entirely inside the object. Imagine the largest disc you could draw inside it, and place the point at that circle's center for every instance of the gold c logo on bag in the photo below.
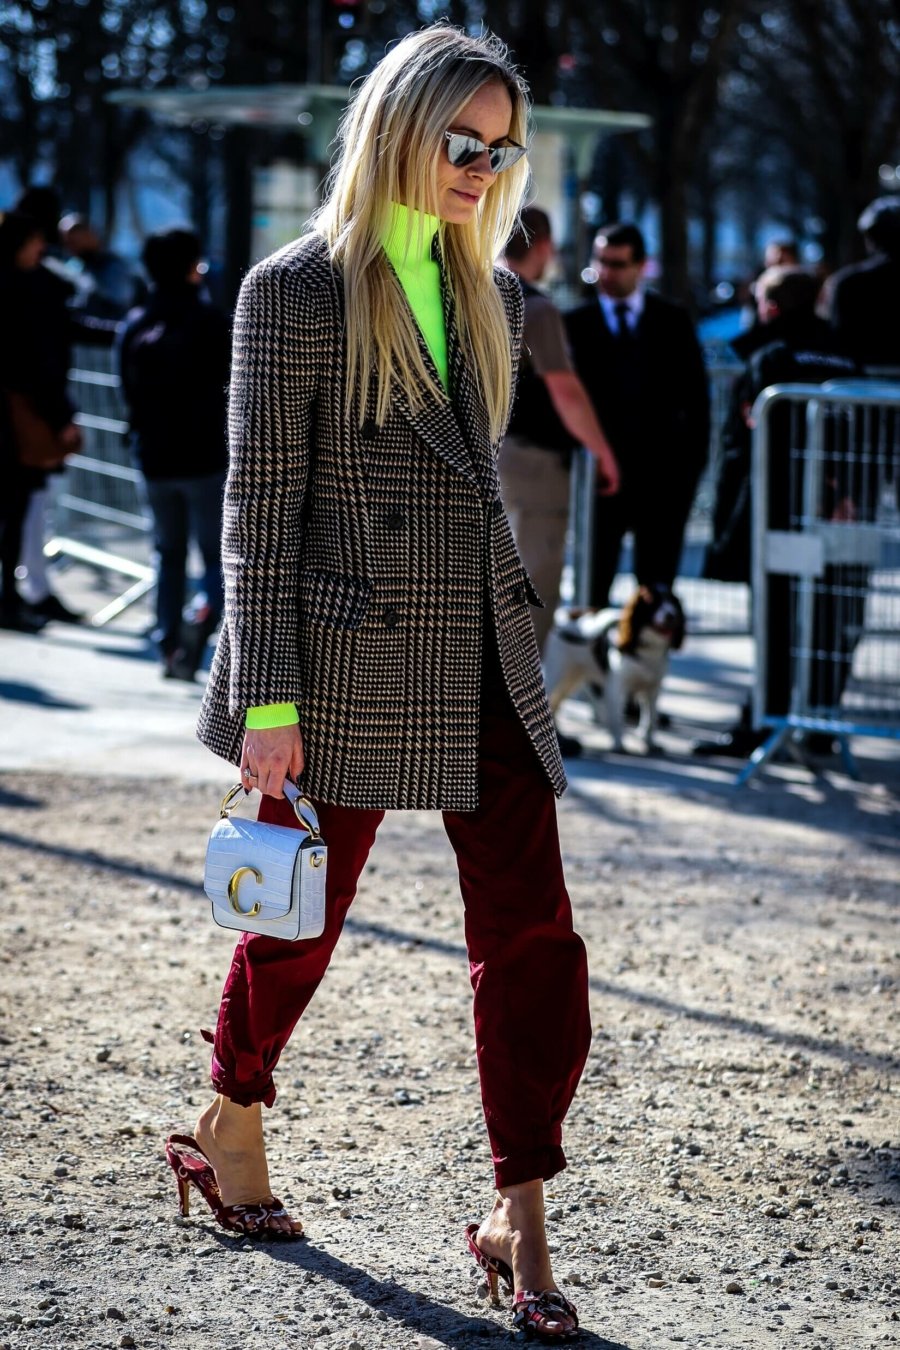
(233, 883)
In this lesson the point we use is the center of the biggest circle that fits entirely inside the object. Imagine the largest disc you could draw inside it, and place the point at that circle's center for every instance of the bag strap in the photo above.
(303, 809)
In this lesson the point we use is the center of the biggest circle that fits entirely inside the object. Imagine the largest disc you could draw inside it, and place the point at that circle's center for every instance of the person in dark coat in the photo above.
(174, 359)
(107, 285)
(32, 366)
(789, 345)
(57, 326)
(639, 358)
(865, 297)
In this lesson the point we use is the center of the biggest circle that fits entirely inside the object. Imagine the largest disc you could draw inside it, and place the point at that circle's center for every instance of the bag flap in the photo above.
(256, 861)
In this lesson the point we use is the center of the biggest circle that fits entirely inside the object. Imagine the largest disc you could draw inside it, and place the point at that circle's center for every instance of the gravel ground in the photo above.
(734, 1151)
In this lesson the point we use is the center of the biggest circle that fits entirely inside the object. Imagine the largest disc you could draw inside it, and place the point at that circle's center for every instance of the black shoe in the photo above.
(51, 607)
(178, 665)
(18, 618)
(195, 633)
(739, 743)
(569, 746)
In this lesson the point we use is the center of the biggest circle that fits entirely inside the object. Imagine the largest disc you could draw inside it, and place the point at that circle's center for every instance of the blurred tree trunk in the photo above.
(826, 88)
(707, 211)
(239, 145)
(611, 178)
(201, 188)
(665, 59)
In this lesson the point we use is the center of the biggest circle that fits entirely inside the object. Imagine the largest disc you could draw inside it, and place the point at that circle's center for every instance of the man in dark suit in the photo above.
(865, 298)
(639, 358)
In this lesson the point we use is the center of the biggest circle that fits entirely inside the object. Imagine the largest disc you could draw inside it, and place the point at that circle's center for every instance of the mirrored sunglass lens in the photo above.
(508, 155)
(462, 150)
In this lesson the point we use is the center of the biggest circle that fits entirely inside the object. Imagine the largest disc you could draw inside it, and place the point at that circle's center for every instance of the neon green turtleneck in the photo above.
(407, 243)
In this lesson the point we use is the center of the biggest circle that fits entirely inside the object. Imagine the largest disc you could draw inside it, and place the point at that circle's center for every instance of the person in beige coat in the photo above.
(378, 645)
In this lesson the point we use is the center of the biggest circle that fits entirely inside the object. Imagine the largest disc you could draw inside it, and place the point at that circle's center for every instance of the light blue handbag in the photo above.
(265, 878)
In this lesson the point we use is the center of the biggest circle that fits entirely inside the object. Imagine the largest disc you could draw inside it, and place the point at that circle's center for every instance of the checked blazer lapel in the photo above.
(467, 401)
(435, 423)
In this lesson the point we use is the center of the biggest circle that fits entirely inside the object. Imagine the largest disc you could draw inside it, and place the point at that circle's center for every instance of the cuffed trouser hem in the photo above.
(538, 1164)
(242, 1094)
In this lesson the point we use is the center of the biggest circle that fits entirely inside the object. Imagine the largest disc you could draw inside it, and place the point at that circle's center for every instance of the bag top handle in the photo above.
(303, 807)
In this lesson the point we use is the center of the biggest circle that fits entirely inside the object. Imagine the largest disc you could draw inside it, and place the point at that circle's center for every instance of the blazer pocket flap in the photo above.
(333, 598)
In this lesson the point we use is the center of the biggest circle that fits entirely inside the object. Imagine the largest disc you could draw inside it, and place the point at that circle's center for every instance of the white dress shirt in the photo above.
(634, 302)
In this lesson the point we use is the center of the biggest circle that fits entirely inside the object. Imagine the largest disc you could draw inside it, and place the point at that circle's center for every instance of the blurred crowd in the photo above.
(635, 359)
(59, 285)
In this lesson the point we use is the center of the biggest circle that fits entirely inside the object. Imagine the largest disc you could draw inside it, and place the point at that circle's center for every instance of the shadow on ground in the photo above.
(16, 692)
(416, 1312)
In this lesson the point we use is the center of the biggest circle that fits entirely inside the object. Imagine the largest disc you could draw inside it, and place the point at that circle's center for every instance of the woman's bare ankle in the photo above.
(231, 1127)
(514, 1230)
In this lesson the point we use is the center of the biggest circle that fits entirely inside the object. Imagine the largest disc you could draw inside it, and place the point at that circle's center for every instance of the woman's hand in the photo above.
(269, 756)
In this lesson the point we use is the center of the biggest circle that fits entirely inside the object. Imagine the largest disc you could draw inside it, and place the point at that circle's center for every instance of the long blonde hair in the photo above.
(390, 141)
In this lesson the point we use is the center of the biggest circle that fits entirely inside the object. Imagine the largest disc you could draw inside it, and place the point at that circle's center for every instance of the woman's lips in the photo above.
(467, 196)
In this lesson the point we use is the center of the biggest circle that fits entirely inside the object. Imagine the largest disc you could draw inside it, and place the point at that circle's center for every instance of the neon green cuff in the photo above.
(272, 715)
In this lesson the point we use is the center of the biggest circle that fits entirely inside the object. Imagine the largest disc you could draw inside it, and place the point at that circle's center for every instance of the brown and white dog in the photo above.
(622, 655)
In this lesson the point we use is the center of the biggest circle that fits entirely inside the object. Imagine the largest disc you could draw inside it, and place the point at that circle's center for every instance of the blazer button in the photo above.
(519, 595)
(369, 429)
(391, 618)
(496, 508)
(395, 522)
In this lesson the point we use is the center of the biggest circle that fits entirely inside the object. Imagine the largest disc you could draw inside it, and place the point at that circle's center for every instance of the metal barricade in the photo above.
(826, 564)
(100, 515)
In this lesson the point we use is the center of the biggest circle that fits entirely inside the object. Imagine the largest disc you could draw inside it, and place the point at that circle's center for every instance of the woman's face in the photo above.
(487, 116)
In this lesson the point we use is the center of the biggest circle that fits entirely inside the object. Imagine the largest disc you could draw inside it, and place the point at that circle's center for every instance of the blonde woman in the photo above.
(378, 640)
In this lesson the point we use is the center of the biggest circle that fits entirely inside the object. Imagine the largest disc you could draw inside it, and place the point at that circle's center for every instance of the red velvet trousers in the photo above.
(527, 966)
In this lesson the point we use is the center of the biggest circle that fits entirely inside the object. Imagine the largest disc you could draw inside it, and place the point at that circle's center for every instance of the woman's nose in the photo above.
(482, 165)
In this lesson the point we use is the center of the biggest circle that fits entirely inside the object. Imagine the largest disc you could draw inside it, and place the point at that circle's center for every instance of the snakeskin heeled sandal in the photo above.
(192, 1168)
(546, 1315)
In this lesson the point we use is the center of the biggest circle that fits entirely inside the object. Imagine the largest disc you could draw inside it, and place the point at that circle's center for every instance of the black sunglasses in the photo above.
(463, 150)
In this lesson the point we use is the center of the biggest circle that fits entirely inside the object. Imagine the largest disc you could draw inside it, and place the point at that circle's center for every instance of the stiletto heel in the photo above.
(184, 1194)
(493, 1267)
(192, 1168)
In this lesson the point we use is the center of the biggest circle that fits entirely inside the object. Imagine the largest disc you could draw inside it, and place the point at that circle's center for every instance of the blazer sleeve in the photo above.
(277, 350)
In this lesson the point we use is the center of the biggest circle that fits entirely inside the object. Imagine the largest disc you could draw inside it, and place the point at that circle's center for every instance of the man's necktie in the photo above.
(621, 312)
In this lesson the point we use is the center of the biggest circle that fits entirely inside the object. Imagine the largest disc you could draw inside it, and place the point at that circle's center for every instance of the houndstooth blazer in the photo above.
(358, 560)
